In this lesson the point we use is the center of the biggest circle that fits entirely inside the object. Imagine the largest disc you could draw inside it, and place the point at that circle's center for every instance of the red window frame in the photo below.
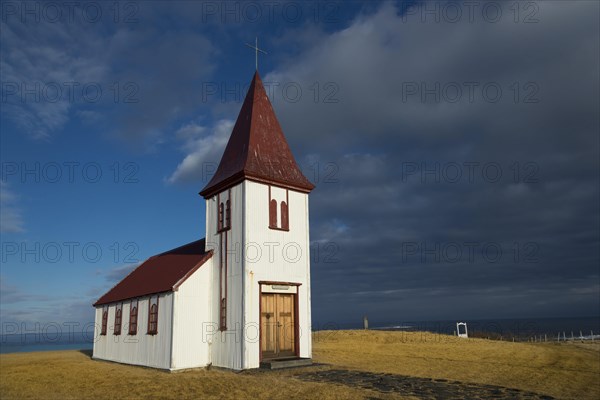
(284, 209)
(285, 218)
(223, 314)
(118, 319)
(133, 317)
(221, 217)
(273, 214)
(227, 214)
(104, 321)
(152, 317)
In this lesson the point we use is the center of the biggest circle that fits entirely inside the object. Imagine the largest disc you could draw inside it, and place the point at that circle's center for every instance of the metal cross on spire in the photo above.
(256, 50)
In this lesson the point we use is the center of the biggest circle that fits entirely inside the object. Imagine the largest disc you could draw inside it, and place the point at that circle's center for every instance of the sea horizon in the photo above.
(519, 328)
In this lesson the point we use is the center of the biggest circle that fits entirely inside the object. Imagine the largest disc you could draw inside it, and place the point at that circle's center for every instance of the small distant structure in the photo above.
(461, 330)
(366, 322)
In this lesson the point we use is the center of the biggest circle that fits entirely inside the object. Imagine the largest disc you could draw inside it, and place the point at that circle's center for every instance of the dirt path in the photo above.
(422, 388)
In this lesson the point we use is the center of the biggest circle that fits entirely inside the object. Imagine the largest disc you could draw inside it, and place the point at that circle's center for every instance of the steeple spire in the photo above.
(257, 149)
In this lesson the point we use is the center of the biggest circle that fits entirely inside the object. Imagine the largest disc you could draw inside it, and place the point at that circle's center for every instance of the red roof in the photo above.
(160, 273)
(257, 149)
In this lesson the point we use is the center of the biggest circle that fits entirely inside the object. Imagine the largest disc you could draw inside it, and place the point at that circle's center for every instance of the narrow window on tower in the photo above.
(227, 214)
(285, 218)
(273, 214)
(104, 320)
(223, 284)
(221, 217)
(118, 315)
(223, 314)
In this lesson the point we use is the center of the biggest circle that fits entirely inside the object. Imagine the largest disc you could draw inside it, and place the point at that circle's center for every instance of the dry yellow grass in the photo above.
(73, 375)
(564, 371)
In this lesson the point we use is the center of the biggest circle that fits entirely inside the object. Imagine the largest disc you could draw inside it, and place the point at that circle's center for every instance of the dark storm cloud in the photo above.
(370, 136)
(167, 77)
(541, 213)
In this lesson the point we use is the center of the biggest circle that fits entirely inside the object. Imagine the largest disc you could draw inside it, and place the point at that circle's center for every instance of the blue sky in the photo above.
(370, 96)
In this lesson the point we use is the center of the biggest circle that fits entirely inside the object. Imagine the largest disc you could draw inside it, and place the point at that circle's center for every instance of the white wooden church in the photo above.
(241, 295)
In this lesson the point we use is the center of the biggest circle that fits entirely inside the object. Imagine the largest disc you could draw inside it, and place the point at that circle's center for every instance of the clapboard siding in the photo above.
(139, 349)
(282, 264)
(226, 346)
(192, 321)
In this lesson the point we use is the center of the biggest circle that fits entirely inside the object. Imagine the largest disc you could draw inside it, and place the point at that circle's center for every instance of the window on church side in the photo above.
(133, 316)
(285, 224)
(153, 316)
(104, 321)
(223, 314)
(221, 216)
(228, 214)
(284, 218)
(117, 330)
(273, 214)
(224, 221)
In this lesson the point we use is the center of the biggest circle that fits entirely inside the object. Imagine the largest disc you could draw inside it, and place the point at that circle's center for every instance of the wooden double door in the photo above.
(278, 325)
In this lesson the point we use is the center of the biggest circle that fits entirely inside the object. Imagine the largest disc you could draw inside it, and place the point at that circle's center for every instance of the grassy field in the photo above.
(570, 371)
(565, 370)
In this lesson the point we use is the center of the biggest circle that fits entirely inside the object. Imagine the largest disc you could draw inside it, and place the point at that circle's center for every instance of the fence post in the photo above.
(558, 338)
(545, 338)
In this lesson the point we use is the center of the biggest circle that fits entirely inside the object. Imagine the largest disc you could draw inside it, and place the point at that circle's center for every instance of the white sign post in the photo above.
(462, 332)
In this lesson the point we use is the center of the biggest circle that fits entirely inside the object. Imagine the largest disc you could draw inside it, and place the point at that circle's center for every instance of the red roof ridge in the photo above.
(122, 279)
(186, 276)
(163, 272)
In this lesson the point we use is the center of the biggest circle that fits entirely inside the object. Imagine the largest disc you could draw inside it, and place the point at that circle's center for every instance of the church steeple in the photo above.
(257, 149)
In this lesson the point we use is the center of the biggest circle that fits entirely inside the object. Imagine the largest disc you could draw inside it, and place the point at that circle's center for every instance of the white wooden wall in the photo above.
(282, 264)
(139, 349)
(257, 253)
(226, 346)
(192, 321)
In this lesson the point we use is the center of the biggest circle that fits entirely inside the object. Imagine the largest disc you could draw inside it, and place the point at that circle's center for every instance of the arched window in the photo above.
(153, 316)
(285, 219)
(227, 214)
(133, 316)
(117, 330)
(104, 321)
(273, 213)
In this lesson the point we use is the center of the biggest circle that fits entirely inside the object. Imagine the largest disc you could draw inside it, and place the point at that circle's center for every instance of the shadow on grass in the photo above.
(87, 352)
